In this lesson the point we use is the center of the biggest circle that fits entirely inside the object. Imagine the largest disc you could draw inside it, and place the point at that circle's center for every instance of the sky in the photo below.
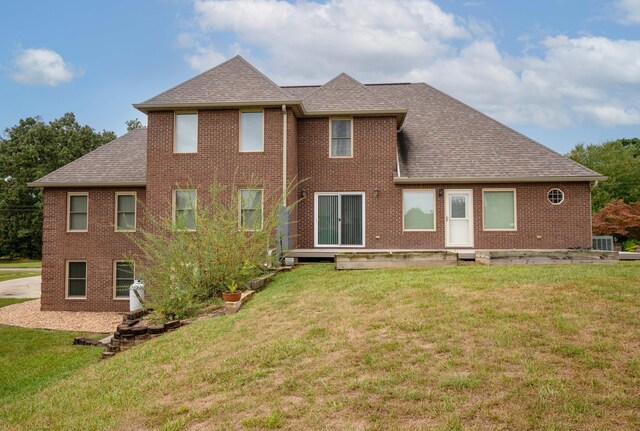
(562, 72)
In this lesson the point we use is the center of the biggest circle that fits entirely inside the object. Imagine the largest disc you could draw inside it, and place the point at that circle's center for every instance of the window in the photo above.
(251, 209)
(185, 209)
(125, 212)
(555, 196)
(251, 131)
(76, 279)
(418, 208)
(78, 210)
(123, 279)
(499, 209)
(341, 138)
(186, 139)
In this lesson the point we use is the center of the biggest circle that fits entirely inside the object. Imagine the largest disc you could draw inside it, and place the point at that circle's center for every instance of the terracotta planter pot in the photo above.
(231, 297)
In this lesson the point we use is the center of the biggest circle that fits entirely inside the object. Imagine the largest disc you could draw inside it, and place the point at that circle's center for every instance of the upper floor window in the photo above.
(184, 209)
(251, 209)
(186, 139)
(77, 212)
(251, 131)
(341, 142)
(125, 211)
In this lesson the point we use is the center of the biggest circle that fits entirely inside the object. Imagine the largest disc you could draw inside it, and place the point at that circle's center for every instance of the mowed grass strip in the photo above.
(20, 263)
(33, 359)
(471, 347)
(11, 275)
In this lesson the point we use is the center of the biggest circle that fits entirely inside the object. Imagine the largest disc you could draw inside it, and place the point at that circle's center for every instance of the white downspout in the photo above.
(284, 155)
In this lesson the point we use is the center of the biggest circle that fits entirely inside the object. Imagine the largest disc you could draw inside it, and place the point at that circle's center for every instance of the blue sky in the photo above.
(561, 72)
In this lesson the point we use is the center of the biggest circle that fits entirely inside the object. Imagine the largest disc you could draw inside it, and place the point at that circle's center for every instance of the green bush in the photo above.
(185, 270)
(630, 245)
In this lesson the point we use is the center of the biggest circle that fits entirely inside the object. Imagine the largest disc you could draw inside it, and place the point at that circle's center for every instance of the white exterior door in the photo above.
(458, 218)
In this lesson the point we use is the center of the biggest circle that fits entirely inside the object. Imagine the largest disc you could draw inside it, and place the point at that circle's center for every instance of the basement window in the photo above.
(123, 279)
(76, 279)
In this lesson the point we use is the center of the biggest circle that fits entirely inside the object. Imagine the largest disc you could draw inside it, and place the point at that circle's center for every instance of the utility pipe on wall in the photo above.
(284, 155)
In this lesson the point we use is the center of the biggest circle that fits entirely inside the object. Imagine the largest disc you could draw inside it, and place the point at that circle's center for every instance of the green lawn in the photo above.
(33, 359)
(10, 275)
(470, 347)
(20, 263)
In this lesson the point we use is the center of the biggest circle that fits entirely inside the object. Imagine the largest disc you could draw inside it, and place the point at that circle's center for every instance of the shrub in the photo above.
(184, 269)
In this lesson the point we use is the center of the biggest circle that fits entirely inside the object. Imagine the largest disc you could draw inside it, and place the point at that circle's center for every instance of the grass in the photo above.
(471, 347)
(20, 263)
(11, 275)
(34, 359)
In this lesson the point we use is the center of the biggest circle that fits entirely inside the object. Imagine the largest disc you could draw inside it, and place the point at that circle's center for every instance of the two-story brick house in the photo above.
(386, 167)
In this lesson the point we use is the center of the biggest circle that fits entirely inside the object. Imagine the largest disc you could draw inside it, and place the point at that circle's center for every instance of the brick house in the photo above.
(386, 167)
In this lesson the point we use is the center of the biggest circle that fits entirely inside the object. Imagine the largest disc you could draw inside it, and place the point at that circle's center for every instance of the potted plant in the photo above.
(232, 294)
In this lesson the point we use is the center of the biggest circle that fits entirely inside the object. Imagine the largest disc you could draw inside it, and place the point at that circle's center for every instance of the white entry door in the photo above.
(458, 218)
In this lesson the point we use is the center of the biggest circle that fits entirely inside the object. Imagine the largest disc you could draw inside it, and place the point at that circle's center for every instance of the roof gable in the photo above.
(233, 82)
(345, 94)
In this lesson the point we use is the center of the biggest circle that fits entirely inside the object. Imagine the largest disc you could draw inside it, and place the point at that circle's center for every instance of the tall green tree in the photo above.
(620, 161)
(28, 151)
(133, 124)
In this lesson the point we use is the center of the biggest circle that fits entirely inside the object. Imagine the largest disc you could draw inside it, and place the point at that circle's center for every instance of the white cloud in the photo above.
(628, 11)
(41, 66)
(570, 80)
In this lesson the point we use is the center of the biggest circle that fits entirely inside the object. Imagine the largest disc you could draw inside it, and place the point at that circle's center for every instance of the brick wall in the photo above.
(539, 224)
(101, 246)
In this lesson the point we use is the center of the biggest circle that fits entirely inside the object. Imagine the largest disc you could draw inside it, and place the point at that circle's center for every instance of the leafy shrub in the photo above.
(185, 269)
(631, 245)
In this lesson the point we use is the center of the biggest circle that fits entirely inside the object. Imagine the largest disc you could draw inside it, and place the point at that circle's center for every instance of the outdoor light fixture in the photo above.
(303, 193)
(440, 192)
(376, 192)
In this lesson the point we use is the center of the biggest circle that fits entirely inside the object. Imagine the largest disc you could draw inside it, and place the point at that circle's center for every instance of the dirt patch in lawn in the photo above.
(28, 315)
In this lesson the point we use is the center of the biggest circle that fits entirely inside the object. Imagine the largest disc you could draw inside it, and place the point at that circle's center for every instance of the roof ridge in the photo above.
(544, 147)
(262, 75)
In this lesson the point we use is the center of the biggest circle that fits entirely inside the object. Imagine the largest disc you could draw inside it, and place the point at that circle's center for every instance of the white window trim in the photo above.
(135, 211)
(173, 207)
(115, 279)
(515, 209)
(69, 194)
(435, 211)
(175, 130)
(563, 196)
(331, 119)
(240, 130)
(240, 227)
(315, 220)
(66, 280)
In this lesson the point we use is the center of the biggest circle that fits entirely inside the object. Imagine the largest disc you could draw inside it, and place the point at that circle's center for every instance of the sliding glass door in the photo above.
(339, 219)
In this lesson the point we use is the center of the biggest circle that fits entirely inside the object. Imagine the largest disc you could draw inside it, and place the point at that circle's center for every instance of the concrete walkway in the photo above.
(28, 287)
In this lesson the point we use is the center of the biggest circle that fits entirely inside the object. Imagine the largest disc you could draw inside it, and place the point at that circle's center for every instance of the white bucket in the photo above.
(134, 302)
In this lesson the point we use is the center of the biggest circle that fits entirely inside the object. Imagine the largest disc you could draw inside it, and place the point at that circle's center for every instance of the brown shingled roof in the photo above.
(122, 161)
(442, 138)
(233, 82)
(345, 94)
